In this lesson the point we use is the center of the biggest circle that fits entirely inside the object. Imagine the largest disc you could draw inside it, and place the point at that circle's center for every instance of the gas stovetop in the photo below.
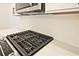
(27, 43)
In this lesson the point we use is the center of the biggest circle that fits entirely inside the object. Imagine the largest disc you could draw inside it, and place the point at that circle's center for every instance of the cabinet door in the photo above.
(61, 6)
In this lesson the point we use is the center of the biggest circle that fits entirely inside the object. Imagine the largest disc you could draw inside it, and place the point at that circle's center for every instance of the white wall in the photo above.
(4, 15)
(63, 27)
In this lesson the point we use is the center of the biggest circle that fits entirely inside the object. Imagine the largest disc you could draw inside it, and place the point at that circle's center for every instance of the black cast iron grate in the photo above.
(4, 46)
(28, 42)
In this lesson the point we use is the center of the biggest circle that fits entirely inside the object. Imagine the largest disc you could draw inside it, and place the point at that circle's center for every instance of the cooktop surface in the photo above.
(27, 43)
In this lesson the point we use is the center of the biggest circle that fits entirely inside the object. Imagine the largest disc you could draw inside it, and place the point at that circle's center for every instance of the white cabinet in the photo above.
(56, 8)
(61, 7)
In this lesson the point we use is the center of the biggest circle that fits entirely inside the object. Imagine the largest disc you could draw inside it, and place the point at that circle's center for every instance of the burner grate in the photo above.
(28, 42)
(5, 49)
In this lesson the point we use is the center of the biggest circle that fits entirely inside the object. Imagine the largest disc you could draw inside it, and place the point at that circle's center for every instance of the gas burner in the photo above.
(27, 43)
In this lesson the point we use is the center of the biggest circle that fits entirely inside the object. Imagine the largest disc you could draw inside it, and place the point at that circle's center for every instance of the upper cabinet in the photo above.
(43, 8)
(62, 7)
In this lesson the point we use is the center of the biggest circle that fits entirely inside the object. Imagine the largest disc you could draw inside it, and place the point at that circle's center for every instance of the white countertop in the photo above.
(54, 48)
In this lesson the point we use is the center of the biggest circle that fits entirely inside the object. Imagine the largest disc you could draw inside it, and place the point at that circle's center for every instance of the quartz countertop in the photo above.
(54, 48)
